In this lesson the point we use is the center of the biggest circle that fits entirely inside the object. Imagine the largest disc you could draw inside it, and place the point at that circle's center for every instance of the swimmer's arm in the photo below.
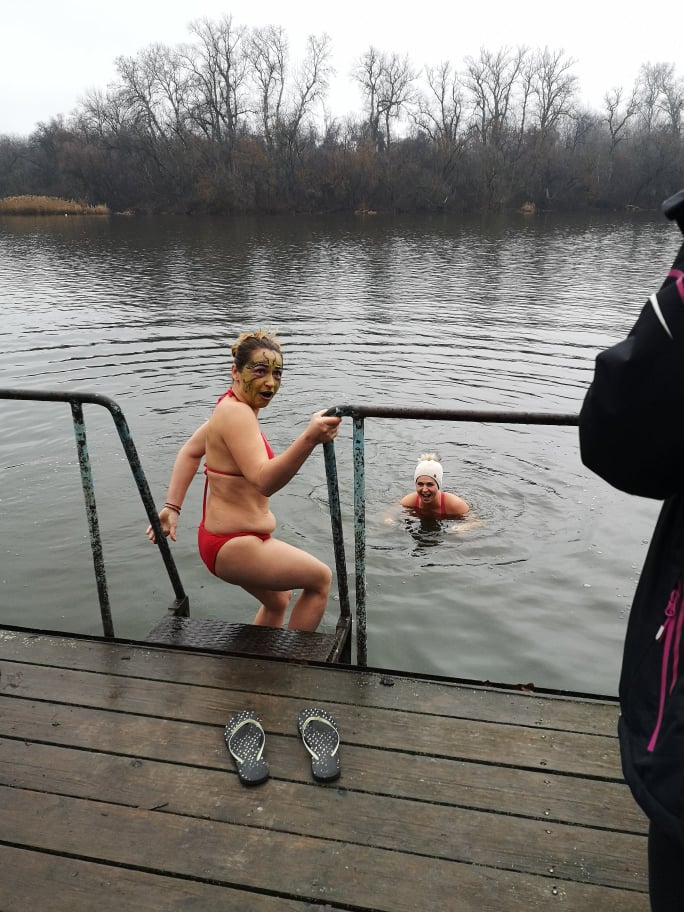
(408, 501)
(243, 438)
(465, 523)
(458, 507)
(184, 469)
(391, 516)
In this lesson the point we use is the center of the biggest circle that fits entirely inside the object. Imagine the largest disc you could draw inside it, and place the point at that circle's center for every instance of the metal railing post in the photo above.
(358, 413)
(181, 605)
(360, 541)
(76, 399)
(91, 515)
(336, 523)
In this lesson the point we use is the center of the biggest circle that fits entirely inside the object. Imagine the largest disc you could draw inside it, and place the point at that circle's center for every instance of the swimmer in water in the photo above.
(430, 501)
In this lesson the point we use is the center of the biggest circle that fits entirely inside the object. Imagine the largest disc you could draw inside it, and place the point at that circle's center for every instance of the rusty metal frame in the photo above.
(359, 413)
(76, 400)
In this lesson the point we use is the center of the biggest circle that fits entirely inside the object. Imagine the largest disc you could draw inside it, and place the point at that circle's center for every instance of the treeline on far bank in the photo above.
(222, 125)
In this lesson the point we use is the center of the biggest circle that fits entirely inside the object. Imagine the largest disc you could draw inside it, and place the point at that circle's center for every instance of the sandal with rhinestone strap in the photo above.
(245, 740)
(318, 731)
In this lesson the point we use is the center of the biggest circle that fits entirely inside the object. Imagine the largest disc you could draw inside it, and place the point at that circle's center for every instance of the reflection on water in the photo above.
(428, 532)
(420, 312)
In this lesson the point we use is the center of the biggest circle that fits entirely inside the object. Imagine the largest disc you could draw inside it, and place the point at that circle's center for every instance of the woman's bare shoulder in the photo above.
(455, 504)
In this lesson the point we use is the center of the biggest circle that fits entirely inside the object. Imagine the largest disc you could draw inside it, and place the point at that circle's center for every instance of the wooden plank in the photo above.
(437, 831)
(395, 773)
(423, 817)
(323, 870)
(362, 688)
(35, 880)
(432, 735)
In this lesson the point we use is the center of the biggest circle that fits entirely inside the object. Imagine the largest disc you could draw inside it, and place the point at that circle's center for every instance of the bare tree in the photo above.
(554, 87)
(491, 81)
(439, 113)
(649, 88)
(103, 114)
(397, 90)
(660, 96)
(138, 92)
(618, 114)
(388, 85)
(218, 65)
(310, 85)
(155, 85)
(170, 78)
(672, 100)
(312, 81)
(368, 73)
(267, 53)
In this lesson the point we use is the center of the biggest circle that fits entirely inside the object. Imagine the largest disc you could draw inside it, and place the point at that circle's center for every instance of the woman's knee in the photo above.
(323, 578)
(274, 601)
(279, 601)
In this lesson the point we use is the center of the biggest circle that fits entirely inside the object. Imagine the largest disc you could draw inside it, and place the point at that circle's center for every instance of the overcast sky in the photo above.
(53, 51)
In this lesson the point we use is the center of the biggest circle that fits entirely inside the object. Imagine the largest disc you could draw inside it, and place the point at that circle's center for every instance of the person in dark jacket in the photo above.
(631, 430)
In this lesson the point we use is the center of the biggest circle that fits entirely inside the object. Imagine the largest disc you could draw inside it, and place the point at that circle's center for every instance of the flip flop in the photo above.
(245, 740)
(318, 731)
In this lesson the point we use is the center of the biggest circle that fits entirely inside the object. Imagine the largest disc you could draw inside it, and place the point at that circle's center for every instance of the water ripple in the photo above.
(422, 312)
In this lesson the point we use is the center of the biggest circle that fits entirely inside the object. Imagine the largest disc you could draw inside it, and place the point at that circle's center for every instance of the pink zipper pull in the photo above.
(665, 629)
(669, 614)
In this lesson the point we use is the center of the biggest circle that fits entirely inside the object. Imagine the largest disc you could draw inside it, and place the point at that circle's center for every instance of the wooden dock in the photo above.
(118, 793)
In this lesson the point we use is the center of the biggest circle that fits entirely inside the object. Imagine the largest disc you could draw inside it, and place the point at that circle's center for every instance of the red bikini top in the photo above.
(269, 451)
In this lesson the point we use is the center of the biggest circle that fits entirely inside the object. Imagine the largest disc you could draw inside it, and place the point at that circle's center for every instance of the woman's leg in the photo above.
(665, 871)
(268, 569)
(273, 606)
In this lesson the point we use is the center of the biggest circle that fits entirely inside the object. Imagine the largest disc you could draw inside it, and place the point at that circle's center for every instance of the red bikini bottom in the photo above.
(210, 543)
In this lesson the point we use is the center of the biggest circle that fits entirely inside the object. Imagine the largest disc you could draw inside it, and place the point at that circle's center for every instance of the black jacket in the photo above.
(632, 435)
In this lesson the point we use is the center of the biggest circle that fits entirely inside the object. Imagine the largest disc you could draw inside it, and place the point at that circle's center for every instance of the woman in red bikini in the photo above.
(428, 498)
(235, 535)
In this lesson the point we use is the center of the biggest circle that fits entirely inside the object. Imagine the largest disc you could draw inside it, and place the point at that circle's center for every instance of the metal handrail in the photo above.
(76, 400)
(359, 413)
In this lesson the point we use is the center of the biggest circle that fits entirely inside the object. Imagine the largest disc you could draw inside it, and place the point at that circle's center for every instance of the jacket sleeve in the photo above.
(631, 425)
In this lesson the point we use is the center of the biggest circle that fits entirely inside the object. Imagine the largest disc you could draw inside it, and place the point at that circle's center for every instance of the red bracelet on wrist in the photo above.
(173, 507)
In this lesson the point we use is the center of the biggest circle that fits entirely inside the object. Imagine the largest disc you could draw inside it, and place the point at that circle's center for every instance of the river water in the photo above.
(503, 313)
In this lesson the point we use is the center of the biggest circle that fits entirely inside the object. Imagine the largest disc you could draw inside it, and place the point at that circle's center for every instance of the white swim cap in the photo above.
(430, 467)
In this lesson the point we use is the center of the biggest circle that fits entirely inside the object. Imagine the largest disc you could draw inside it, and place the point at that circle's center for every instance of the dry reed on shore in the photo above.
(47, 205)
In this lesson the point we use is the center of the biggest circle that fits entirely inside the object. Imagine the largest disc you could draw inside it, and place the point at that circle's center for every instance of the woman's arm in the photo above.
(242, 437)
(184, 469)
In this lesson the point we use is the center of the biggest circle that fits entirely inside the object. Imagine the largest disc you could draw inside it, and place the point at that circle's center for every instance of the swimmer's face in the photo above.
(426, 488)
(260, 379)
